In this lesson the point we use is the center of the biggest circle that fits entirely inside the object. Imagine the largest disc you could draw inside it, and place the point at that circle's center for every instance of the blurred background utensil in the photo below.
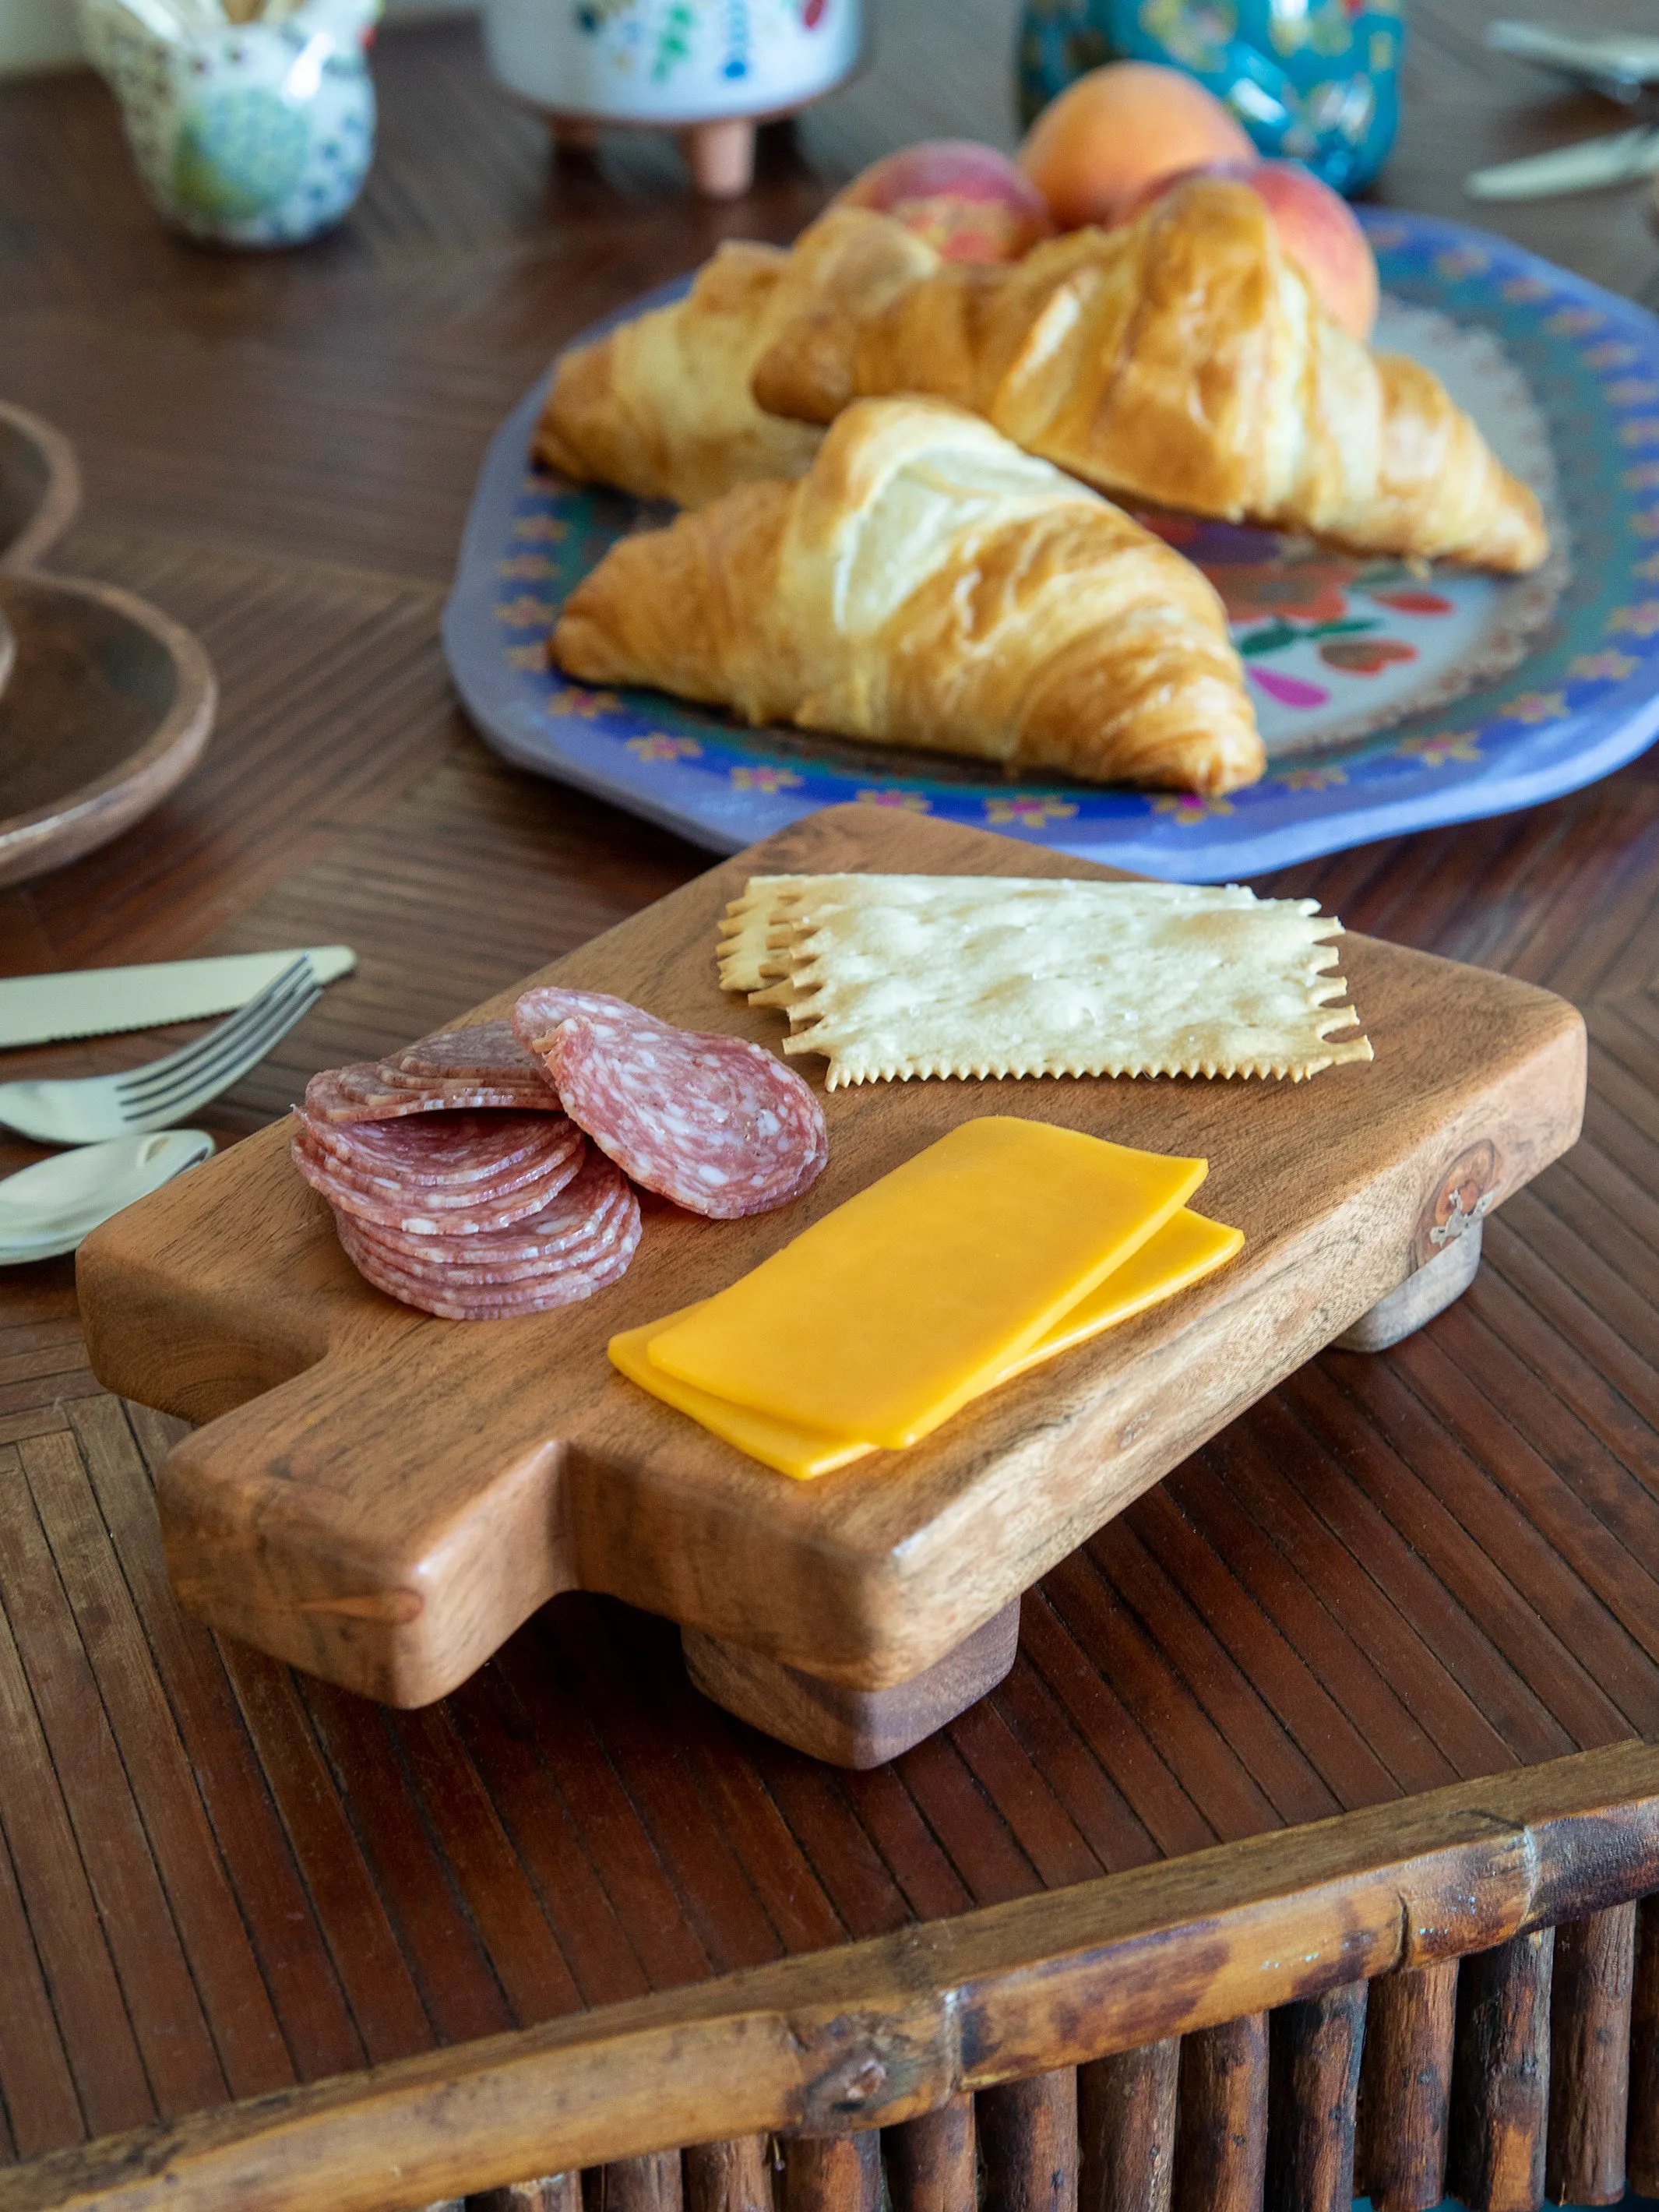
(85, 1109)
(1592, 163)
(96, 1001)
(50, 1208)
(1618, 65)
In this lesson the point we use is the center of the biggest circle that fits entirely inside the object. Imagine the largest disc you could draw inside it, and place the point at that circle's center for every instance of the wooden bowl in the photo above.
(40, 486)
(108, 706)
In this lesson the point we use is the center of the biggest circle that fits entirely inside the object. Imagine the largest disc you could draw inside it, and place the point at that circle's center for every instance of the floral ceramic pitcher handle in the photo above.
(1315, 80)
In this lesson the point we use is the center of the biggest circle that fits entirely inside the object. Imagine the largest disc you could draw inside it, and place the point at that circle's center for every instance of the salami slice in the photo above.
(537, 1014)
(585, 1210)
(370, 1091)
(448, 1152)
(485, 1052)
(425, 1211)
(464, 1302)
(456, 1261)
(717, 1125)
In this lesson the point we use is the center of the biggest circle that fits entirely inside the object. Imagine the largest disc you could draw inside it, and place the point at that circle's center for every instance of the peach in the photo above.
(1108, 135)
(1316, 228)
(967, 200)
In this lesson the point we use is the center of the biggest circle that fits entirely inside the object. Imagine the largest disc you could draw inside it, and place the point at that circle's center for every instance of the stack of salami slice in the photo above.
(459, 1171)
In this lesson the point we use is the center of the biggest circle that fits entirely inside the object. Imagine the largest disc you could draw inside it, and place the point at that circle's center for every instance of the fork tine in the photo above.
(189, 1088)
(235, 1026)
(227, 1051)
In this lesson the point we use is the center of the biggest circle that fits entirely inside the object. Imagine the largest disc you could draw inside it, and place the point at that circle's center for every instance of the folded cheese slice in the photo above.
(1189, 1247)
(881, 1320)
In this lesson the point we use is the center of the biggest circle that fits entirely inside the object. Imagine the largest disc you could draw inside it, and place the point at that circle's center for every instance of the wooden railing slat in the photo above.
(1028, 2134)
(1405, 2088)
(652, 2183)
(882, 2031)
(734, 2176)
(1589, 2057)
(1314, 2050)
(832, 2173)
(1221, 2138)
(1642, 2144)
(932, 2162)
(1125, 2114)
(553, 2192)
(1501, 2076)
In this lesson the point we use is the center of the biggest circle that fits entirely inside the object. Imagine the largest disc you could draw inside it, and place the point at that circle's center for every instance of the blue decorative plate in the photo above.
(1389, 701)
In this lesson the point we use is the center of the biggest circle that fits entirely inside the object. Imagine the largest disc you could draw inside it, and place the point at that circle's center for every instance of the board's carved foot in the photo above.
(1419, 1297)
(852, 1728)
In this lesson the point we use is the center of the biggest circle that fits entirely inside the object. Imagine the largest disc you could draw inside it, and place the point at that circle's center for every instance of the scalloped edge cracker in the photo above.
(891, 977)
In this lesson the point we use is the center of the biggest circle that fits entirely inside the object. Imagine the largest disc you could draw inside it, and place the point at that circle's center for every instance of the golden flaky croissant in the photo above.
(928, 584)
(661, 406)
(1184, 359)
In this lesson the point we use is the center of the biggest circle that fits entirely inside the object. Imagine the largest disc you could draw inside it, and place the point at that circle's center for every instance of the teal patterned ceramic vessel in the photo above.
(254, 134)
(1312, 80)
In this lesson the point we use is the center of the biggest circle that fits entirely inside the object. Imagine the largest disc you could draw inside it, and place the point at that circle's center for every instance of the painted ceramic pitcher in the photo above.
(256, 133)
(1313, 79)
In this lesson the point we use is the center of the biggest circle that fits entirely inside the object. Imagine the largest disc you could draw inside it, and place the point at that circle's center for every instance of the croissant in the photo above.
(1185, 360)
(928, 584)
(661, 406)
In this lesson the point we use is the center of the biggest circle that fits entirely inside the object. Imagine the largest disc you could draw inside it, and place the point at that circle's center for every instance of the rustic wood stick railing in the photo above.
(1459, 1987)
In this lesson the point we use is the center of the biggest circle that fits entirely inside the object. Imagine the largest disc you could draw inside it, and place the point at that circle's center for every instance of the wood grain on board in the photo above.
(382, 1498)
(1389, 1574)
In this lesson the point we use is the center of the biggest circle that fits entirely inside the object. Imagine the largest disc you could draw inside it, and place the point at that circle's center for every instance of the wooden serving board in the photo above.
(382, 1498)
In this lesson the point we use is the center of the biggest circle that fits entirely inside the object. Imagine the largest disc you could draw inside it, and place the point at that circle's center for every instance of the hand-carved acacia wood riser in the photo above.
(389, 1496)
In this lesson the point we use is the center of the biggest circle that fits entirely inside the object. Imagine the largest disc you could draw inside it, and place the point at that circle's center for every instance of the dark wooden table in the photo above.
(217, 1879)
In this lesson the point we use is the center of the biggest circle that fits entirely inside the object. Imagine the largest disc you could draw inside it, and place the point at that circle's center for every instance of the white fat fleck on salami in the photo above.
(717, 1125)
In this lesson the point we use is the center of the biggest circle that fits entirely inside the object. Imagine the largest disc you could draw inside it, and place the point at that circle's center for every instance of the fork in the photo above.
(87, 1109)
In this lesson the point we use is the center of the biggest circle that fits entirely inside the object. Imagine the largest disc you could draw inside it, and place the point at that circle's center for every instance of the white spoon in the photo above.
(50, 1208)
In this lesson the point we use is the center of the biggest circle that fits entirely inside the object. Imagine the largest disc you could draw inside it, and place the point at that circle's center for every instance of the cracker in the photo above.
(891, 977)
(746, 929)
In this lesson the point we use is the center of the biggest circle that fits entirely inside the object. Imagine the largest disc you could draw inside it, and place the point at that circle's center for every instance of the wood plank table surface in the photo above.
(217, 1877)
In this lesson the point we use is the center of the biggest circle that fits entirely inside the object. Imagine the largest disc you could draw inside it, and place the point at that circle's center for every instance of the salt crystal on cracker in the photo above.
(895, 976)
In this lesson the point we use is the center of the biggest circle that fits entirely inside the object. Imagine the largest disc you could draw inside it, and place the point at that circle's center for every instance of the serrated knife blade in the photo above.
(97, 1002)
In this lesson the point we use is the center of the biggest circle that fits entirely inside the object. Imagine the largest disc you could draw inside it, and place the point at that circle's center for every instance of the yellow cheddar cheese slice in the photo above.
(880, 1321)
(1188, 1247)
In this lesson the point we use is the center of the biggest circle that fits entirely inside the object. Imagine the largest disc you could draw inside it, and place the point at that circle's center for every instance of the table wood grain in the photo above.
(217, 1877)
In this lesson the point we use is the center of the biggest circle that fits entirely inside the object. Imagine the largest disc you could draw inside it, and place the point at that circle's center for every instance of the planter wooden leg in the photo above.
(720, 157)
(1589, 2057)
(851, 1728)
(1501, 2076)
(1405, 2088)
(1126, 2120)
(1028, 2130)
(1221, 2129)
(735, 2176)
(1312, 2084)
(833, 2173)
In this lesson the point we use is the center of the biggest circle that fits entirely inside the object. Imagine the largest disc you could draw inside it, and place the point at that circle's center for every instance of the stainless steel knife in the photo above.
(95, 1001)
